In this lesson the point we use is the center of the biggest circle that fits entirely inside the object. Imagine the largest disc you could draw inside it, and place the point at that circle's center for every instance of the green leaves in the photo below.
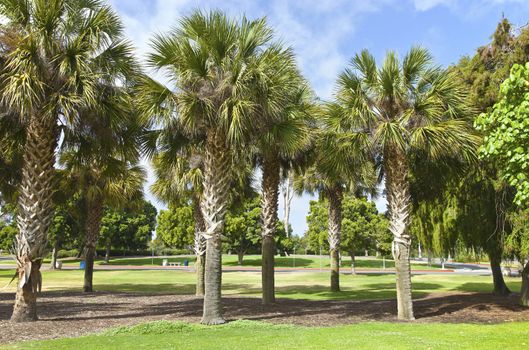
(408, 105)
(506, 140)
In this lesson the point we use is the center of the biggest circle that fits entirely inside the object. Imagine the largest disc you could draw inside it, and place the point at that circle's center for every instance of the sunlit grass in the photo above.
(301, 285)
(257, 335)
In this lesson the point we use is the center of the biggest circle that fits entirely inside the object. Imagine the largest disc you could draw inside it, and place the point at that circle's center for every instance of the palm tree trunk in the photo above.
(217, 165)
(500, 288)
(56, 247)
(399, 205)
(199, 247)
(92, 225)
(35, 214)
(288, 195)
(524, 293)
(335, 227)
(270, 187)
(107, 251)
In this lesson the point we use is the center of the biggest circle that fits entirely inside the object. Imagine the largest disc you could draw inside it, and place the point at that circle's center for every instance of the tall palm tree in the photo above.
(61, 49)
(341, 162)
(100, 157)
(178, 166)
(287, 137)
(179, 175)
(408, 106)
(221, 68)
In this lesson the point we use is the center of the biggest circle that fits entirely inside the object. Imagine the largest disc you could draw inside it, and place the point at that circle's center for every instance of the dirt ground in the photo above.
(71, 314)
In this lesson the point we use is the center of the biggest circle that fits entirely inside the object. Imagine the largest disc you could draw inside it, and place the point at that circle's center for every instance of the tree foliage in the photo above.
(363, 228)
(176, 226)
(506, 139)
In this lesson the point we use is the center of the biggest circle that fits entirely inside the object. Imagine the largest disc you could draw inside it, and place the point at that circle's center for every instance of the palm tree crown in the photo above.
(408, 107)
(58, 53)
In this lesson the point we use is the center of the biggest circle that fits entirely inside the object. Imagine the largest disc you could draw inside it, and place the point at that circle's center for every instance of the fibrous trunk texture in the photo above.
(217, 165)
(334, 235)
(35, 214)
(524, 293)
(399, 205)
(270, 187)
(287, 196)
(199, 247)
(92, 226)
(500, 288)
(240, 257)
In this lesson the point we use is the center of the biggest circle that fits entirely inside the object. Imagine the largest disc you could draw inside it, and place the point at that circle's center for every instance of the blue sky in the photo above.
(325, 34)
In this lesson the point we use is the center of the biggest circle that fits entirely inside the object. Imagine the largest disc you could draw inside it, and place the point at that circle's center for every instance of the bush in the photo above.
(173, 251)
(72, 253)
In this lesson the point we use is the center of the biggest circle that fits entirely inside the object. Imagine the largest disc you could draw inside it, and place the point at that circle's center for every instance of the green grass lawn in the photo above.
(306, 285)
(256, 335)
(302, 261)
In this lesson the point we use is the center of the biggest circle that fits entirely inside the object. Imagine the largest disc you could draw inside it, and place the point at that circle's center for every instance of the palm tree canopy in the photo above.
(62, 50)
(291, 132)
(409, 105)
(101, 152)
(222, 70)
(339, 157)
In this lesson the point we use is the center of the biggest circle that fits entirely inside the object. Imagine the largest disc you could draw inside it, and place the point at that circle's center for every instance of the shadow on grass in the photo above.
(485, 287)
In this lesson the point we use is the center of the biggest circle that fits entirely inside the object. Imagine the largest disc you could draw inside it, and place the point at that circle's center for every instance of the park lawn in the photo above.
(258, 335)
(299, 285)
(303, 261)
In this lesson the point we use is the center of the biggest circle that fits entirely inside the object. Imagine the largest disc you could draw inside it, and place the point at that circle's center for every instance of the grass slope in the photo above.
(256, 335)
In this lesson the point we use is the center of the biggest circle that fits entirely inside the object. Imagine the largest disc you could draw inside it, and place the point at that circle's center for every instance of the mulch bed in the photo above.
(72, 314)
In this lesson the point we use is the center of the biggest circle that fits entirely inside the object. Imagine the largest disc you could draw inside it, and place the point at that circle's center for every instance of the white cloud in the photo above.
(425, 5)
(466, 8)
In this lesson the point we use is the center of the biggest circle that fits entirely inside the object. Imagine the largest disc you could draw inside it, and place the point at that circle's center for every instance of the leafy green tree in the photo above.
(484, 71)
(243, 226)
(482, 74)
(176, 226)
(65, 228)
(60, 50)
(221, 69)
(517, 245)
(505, 127)
(317, 222)
(128, 228)
(409, 106)
(363, 228)
(8, 231)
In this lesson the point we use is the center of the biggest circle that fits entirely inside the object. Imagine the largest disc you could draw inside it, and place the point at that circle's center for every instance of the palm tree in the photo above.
(60, 50)
(286, 138)
(409, 106)
(101, 161)
(340, 163)
(220, 67)
(178, 166)
(179, 175)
